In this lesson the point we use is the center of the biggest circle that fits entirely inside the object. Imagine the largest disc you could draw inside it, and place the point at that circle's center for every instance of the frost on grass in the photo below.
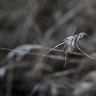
(69, 44)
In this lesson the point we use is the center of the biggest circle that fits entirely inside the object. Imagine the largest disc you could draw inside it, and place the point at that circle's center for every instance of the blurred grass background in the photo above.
(47, 23)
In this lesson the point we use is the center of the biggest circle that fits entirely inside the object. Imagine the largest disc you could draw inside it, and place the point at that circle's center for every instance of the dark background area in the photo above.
(43, 24)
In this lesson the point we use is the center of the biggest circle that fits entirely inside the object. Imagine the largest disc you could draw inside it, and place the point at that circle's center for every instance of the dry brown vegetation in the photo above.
(32, 27)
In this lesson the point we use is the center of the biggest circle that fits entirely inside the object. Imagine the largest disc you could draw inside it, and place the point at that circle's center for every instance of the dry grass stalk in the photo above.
(69, 44)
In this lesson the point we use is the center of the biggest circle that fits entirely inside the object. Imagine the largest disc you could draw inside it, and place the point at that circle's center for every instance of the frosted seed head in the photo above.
(81, 35)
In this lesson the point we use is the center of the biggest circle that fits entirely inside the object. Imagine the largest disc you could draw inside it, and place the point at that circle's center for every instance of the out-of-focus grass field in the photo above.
(32, 27)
